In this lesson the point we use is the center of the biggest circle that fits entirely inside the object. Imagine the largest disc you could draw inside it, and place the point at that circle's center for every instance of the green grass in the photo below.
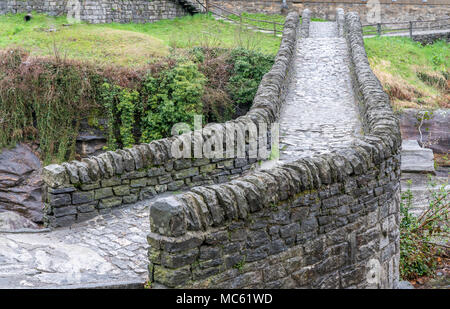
(44, 34)
(203, 30)
(127, 44)
(272, 18)
(400, 61)
(246, 18)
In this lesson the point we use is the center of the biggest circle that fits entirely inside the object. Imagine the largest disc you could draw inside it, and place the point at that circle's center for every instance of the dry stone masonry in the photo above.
(103, 11)
(324, 221)
(390, 11)
(322, 218)
(79, 190)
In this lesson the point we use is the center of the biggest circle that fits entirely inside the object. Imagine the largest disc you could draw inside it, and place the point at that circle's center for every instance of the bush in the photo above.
(43, 100)
(419, 235)
(233, 79)
(248, 70)
(214, 64)
(173, 96)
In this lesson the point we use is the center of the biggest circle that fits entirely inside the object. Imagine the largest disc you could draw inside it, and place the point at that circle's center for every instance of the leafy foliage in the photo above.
(43, 100)
(248, 70)
(172, 97)
(419, 235)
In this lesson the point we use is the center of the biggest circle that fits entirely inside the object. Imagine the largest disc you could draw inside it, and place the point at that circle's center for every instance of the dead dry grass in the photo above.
(404, 94)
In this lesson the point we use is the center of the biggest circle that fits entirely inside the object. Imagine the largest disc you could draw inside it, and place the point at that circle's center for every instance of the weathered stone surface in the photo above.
(416, 158)
(11, 221)
(301, 224)
(82, 197)
(20, 182)
(55, 175)
(106, 11)
(102, 193)
(110, 202)
(59, 199)
(167, 217)
(121, 190)
(109, 250)
(434, 131)
(313, 223)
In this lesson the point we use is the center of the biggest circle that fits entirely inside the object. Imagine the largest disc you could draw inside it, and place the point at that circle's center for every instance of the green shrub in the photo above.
(109, 94)
(173, 96)
(248, 69)
(43, 101)
(126, 109)
(419, 235)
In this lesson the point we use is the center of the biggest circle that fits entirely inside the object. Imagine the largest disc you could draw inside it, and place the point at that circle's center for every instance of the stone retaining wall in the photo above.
(400, 10)
(330, 221)
(101, 11)
(79, 190)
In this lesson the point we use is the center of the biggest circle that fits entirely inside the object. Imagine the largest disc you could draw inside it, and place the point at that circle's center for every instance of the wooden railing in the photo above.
(240, 18)
(406, 27)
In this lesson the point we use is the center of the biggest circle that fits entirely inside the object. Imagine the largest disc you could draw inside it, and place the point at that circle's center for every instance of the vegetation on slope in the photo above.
(413, 75)
(127, 44)
(43, 100)
(167, 71)
(424, 238)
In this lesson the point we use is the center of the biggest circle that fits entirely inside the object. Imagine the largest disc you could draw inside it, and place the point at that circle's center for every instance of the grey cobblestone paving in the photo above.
(107, 249)
(320, 112)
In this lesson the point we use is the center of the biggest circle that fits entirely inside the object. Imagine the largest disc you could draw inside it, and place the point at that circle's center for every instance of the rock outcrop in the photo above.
(435, 131)
(415, 158)
(21, 183)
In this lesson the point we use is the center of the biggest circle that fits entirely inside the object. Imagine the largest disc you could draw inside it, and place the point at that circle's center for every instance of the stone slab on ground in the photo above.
(109, 250)
(12, 221)
(415, 158)
(405, 285)
(435, 130)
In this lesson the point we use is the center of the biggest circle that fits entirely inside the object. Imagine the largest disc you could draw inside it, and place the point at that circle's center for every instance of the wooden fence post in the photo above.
(207, 6)
(379, 29)
(274, 29)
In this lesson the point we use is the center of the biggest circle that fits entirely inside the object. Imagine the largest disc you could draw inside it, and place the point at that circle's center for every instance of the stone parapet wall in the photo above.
(401, 10)
(329, 221)
(79, 190)
(101, 11)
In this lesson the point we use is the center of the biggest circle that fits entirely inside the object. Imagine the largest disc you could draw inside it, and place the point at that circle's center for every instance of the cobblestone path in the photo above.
(320, 112)
(109, 249)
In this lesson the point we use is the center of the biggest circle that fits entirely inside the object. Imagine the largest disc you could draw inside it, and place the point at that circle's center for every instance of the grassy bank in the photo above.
(413, 75)
(126, 44)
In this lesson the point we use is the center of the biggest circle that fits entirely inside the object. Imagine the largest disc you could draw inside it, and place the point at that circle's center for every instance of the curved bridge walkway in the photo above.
(320, 113)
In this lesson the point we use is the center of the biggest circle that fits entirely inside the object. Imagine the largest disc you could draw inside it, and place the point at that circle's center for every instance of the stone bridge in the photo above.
(324, 215)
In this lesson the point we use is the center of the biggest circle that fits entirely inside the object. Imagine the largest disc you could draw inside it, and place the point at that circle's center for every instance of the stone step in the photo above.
(416, 159)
